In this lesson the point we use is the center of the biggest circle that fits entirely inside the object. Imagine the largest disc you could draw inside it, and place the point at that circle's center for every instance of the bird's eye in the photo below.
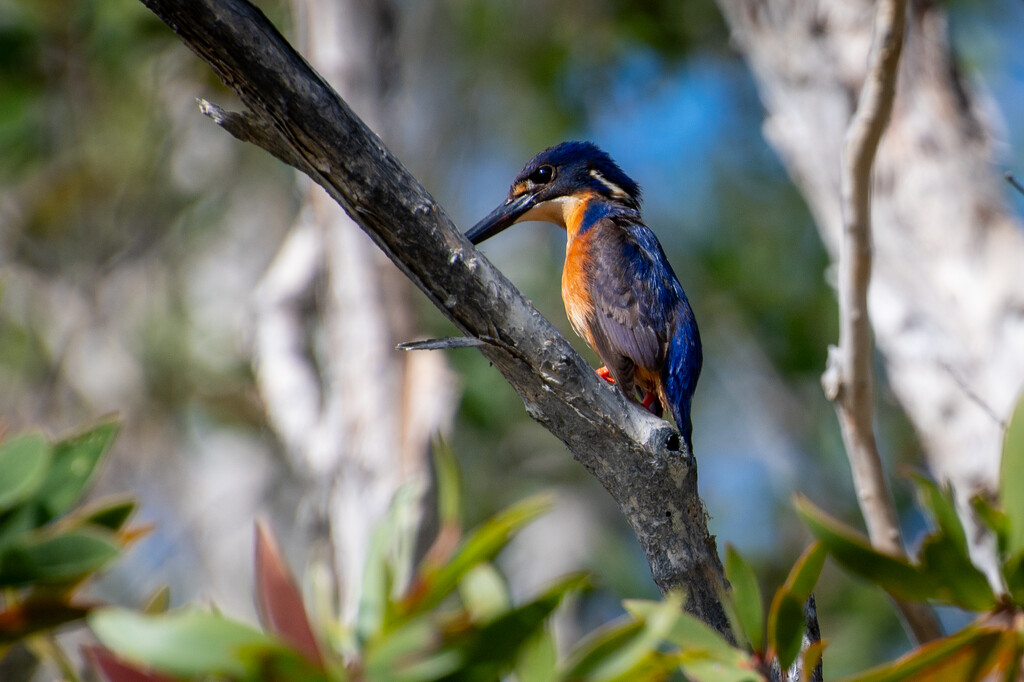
(542, 175)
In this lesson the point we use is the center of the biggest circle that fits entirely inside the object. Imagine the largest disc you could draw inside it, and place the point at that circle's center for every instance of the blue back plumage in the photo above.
(684, 355)
(636, 276)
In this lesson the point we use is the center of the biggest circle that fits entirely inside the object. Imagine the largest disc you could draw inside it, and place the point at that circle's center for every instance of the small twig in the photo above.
(848, 381)
(1013, 182)
(250, 128)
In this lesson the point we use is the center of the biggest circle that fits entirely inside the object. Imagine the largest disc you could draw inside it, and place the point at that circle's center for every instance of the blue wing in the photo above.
(641, 316)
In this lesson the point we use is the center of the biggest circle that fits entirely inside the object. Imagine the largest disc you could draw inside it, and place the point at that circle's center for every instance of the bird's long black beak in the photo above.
(501, 217)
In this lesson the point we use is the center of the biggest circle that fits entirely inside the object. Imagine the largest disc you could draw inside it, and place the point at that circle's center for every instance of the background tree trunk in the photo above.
(946, 298)
(356, 415)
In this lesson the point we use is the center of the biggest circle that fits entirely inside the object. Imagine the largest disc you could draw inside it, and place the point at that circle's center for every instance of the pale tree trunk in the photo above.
(355, 415)
(947, 298)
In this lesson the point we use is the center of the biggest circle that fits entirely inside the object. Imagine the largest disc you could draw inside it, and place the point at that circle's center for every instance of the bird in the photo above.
(620, 292)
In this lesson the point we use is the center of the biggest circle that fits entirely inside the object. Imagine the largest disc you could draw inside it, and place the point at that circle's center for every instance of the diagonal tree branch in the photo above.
(637, 457)
(850, 375)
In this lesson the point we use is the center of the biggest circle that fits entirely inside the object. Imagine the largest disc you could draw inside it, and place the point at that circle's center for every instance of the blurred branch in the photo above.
(850, 375)
(288, 380)
(635, 455)
(849, 378)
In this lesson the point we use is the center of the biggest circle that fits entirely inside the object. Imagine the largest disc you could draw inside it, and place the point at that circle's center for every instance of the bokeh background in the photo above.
(133, 233)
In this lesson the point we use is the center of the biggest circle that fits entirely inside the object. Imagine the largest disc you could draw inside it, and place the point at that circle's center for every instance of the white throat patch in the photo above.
(555, 211)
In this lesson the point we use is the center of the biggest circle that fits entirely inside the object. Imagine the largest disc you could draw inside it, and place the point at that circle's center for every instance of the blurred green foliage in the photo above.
(452, 620)
(991, 646)
(50, 543)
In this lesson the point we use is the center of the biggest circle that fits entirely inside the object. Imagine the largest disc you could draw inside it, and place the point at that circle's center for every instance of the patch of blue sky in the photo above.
(664, 123)
(987, 39)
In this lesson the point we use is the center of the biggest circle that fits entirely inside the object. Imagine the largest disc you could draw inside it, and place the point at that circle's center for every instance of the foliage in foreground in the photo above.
(48, 547)
(452, 619)
(992, 646)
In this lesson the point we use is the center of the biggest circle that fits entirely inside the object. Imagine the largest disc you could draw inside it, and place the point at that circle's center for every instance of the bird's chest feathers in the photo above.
(579, 306)
(579, 267)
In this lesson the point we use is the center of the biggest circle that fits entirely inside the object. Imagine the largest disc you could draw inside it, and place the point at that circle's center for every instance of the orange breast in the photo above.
(579, 307)
(575, 293)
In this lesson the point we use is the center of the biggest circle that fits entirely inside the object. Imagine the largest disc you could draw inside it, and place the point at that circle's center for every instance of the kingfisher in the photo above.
(620, 293)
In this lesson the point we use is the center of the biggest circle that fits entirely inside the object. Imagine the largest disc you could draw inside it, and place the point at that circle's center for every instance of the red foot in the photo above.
(606, 375)
(649, 399)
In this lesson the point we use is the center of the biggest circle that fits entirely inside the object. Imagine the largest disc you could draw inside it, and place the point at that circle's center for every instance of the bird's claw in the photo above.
(605, 374)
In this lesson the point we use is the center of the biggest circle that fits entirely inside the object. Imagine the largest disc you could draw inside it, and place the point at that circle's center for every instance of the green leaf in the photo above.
(944, 555)
(444, 665)
(158, 602)
(785, 627)
(715, 671)
(600, 646)
(110, 512)
(415, 640)
(23, 461)
(958, 581)
(483, 593)
(805, 572)
(1013, 573)
(491, 650)
(448, 485)
(376, 588)
(538, 659)
(16, 523)
(694, 638)
(186, 643)
(746, 598)
(432, 584)
(997, 521)
(943, 512)
(1011, 476)
(969, 655)
(285, 665)
(786, 621)
(635, 650)
(853, 551)
(50, 558)
(74, 463)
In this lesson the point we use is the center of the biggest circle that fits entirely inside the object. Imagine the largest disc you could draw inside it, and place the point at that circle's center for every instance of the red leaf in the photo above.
(118, 670)
(278, 600)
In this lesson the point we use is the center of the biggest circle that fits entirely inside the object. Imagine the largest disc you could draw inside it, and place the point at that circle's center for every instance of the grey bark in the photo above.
(946, 298)
(294, 114)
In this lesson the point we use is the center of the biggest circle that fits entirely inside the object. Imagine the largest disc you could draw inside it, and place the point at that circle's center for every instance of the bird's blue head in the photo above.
(566, 172)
